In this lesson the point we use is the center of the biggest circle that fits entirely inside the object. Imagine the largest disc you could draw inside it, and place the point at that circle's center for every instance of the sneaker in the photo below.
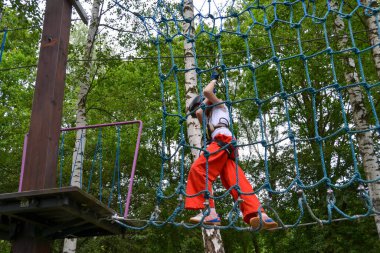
(208, 220)
(266, 222)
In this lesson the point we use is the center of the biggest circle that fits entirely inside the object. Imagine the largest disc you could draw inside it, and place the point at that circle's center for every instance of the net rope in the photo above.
(258, 20)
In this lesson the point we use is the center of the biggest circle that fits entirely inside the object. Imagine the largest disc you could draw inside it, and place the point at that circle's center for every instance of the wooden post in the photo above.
(42, 152)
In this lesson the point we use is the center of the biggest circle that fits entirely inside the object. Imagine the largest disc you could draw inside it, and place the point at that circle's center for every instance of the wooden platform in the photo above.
(56, 213)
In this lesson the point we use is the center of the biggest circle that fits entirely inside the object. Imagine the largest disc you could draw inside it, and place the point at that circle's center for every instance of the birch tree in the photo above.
(84, 86)
(359, 112)
(212, 238)
(372, 23)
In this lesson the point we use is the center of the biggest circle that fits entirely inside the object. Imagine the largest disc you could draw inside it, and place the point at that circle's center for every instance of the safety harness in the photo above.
(223, 122)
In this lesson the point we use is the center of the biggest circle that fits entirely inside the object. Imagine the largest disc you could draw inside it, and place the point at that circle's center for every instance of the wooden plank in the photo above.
(75, 223)
(58, 213)
(73, 193)
(92, 217)
(41, 193)
(39, 223)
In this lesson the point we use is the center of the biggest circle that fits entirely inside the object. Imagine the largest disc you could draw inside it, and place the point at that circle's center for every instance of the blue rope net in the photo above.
(291, 73)
(102, 160)
(2, 47)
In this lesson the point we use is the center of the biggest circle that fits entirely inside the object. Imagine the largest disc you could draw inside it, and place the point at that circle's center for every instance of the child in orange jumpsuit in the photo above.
(220, 164)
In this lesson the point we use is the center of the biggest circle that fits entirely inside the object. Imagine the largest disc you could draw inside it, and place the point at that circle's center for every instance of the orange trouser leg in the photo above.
(196, 181)
(250, 204)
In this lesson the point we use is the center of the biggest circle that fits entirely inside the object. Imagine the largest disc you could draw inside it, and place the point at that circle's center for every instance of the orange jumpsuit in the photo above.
(219, 164)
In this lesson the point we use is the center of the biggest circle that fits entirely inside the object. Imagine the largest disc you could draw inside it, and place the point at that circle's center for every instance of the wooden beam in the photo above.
(42, 152)
(81, 12)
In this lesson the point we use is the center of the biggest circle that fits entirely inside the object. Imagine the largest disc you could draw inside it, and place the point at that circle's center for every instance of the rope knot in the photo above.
(190, 40)
(182, 120)
(182, 142)
(228, 103)
(347, 16)
(169, 40)
(296, 25)
(329, 50)
(237, 188)
(252, 67)
(234, 14)
(160, 193)
(291, 135)
(355, 50)
(244, 36)
(366, 86)
(311, 90)
(263, 143)
(283, 95)
(336, 86)
(258, 101)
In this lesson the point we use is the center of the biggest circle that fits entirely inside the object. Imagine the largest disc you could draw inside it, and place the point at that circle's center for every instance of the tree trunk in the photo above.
(80, 141)
(373, 34)
(212, 238)
(365, 140)
(255, 244)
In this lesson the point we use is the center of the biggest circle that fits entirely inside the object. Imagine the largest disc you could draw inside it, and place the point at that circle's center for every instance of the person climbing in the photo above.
(221, 162)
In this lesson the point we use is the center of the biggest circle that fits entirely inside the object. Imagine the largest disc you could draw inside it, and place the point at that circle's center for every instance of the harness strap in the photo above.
(223, 144)
(220, 125)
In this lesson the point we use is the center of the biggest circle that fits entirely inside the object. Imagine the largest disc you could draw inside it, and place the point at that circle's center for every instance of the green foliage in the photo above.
(16, 91)
(129, 89)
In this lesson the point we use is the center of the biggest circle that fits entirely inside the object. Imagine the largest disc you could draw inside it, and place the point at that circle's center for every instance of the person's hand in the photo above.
(215, 75)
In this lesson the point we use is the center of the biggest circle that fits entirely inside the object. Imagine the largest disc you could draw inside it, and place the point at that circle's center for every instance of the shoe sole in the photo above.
(255, 223)
(205, 222)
